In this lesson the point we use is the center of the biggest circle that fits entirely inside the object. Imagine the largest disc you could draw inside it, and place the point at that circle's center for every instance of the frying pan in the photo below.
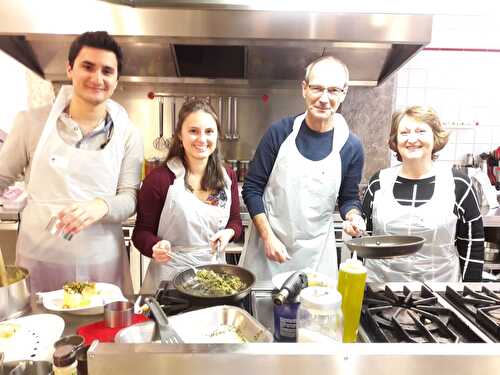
(385, 246)
(183, 282)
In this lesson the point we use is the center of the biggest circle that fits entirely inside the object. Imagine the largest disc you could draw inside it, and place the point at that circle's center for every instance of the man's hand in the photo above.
(275, 250)
(79, 216)
(354, 225)
(224, 236)
(161, 251)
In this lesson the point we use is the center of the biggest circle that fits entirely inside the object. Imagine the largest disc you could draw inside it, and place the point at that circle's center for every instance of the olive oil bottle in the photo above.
(351, 285)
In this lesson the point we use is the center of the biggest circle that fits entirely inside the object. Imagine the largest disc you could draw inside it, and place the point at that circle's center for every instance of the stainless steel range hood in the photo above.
(212, 41)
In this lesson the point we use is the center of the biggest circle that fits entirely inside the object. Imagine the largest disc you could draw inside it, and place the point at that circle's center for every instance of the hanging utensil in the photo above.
(160, 143)
(173, 114)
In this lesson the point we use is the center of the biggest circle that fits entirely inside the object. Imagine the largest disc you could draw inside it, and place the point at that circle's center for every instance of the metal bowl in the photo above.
(385, 246)
(210, 325)
(15, 297)
(28, 367)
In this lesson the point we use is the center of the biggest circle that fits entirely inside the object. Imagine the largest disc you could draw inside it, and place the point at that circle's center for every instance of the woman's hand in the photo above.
(161, 251)
(223, 236)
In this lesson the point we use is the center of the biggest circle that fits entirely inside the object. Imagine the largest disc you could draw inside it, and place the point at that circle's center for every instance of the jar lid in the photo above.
(352, 265)
(64, 356)
(320, 298)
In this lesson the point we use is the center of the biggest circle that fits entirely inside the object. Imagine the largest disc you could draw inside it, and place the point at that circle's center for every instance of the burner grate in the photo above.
(483, 306)
(411, 317)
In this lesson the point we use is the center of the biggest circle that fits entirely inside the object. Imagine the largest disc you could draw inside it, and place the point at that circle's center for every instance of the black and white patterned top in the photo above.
(469, 234)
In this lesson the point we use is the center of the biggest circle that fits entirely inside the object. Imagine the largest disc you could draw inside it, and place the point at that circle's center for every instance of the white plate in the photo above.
(106, 293)
(318, 279)
(34, 338)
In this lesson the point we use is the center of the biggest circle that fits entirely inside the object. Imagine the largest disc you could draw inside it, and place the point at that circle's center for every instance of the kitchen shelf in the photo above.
(460, 127)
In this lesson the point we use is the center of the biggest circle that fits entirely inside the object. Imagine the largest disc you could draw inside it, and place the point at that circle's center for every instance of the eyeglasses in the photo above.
(332, 92)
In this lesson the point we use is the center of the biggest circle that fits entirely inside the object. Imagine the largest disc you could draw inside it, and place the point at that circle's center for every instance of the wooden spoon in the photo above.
(3, 271)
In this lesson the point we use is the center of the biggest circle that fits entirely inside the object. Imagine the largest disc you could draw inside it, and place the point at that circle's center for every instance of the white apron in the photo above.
(62, 175)
(187, 222)
(437, 260)
(299, 201)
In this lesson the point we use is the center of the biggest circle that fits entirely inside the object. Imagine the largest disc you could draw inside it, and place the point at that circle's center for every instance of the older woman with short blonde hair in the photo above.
(428, 199)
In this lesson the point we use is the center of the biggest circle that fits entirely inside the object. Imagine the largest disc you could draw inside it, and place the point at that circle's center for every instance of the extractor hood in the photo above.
(212, 41)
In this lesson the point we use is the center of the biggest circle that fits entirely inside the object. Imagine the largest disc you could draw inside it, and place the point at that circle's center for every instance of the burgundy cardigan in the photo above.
(151, 199)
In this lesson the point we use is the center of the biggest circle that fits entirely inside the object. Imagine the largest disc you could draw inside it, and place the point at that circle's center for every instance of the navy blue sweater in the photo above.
(313, 146)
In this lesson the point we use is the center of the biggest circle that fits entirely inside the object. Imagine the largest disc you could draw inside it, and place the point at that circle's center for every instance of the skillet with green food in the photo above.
(214, 284)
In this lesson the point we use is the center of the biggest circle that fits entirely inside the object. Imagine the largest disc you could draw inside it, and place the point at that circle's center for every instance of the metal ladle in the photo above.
(160, 143)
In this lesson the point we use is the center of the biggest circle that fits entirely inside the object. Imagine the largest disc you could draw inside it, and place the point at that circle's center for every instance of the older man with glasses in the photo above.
(303, 165)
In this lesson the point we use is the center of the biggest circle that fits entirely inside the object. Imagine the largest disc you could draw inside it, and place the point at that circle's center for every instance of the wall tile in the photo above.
(483, 134)
(416, 96)
(417, 78)
(483, 147)
(402, 78)
(462, 149)
(448, 152)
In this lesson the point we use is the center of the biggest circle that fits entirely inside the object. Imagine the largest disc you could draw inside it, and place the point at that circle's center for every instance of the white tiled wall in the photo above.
(464, 88)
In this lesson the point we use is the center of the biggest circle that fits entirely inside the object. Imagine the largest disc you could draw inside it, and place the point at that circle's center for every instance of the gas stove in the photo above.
(479, 303)
(392, 312)
(419, 313)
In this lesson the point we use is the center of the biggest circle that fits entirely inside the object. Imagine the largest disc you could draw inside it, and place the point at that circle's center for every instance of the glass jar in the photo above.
(64, 360)
(319, 318)
(243, 170)
(233, 164)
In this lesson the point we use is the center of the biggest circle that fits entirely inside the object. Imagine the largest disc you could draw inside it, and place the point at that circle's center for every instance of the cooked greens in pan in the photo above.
(216, 284)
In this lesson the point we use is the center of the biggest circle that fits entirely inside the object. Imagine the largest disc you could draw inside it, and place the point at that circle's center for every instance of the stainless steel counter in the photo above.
(276, 358)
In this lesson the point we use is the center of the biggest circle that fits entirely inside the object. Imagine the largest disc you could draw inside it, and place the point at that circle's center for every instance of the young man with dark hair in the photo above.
(81, 158)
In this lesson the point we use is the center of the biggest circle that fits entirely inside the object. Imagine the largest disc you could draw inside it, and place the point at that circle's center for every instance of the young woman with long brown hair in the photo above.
(190, 203)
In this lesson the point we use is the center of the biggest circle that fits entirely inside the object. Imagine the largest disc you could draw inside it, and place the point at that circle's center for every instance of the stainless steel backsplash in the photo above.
(366, 109)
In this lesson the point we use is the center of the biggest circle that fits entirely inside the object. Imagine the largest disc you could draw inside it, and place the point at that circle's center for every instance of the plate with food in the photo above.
(30, 337)
(313, 278)
(82, 298)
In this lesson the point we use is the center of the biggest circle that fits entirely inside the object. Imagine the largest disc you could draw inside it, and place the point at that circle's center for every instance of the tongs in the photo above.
(166, 332)
(183, 260)
(218, 257)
